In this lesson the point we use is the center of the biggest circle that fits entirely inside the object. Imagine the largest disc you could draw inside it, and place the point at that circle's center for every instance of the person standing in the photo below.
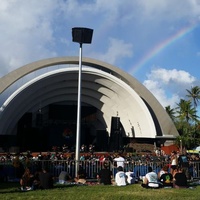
(174, 161)
(120, 161)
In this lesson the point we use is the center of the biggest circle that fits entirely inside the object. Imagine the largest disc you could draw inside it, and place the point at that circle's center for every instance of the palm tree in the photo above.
(171, 112)
(186, 112)
(187, 117)
(194, 95)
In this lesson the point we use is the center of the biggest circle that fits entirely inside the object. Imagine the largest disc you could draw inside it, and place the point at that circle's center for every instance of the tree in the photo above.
(171, 112)
(186, 112)
(186, 120)
(194, 95)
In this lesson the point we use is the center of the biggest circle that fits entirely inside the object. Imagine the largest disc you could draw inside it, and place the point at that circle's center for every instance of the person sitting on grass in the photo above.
(64, 177)
(150, 180)
(120, 177)
(166, 178)
(26, 180)
(180, 179)
(81, 176)
(46, 179)
(130, 176)
(105, 175)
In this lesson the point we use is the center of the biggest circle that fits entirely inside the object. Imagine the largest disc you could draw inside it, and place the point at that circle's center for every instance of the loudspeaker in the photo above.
(115, 123)
(82, 35)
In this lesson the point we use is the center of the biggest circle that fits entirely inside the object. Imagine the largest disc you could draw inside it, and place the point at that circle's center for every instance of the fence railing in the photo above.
(10, 172)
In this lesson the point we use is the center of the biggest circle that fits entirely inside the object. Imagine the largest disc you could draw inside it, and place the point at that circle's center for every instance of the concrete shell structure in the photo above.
(110, 90)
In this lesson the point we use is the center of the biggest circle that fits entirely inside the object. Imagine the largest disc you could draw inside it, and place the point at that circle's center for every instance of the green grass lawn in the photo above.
(10, 191)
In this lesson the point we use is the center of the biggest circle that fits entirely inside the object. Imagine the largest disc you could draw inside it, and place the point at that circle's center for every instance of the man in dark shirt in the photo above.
(180, 179)
(166, 179)
(105, 175)
(46, 179)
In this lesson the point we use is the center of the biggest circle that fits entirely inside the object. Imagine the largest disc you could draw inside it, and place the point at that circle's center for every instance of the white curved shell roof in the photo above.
(105, 87)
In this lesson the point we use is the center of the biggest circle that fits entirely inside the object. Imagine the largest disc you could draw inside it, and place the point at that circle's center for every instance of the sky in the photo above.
(156, 41)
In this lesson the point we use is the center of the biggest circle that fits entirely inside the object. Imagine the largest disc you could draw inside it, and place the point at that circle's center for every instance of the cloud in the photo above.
(33, 30)
(169, 86)
(117, 10)
(117, 49)
(26, 32)
(170, 10)
(169, 76)
(160, 93)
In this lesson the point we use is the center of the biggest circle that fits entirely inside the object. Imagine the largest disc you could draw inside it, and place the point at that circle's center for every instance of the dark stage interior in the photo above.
(57, 126)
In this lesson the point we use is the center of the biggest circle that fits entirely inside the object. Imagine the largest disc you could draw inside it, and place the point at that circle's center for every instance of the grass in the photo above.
(9, 191)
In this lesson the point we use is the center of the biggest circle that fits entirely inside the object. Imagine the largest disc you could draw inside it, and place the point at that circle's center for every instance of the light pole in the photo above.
(80, 35)
(181, 147)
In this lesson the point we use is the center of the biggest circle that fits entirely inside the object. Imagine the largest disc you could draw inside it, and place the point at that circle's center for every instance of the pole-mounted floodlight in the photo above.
(80, 35)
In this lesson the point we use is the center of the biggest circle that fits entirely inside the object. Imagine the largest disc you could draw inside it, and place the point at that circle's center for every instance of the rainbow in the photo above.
(161, 46)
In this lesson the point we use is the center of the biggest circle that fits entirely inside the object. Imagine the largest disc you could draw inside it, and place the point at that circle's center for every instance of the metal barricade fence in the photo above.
(91, 167)
(194, 170)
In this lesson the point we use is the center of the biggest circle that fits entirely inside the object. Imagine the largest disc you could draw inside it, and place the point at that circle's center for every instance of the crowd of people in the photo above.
(174, 170)
(170, 176)
(88, 153)
(41, 179)
(173, 175)
(165, 179)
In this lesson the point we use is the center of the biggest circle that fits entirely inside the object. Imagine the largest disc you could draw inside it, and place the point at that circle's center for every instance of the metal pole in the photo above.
(78, 123)
(181, 147)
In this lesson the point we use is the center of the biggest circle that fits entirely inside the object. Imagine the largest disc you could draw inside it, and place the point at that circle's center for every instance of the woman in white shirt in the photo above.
(174, 161)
